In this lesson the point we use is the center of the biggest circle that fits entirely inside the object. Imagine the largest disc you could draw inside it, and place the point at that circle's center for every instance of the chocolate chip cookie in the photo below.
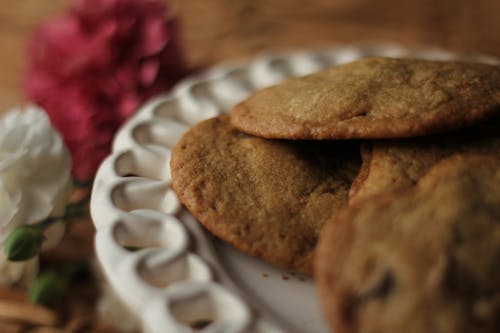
(424, 259)
(392, 164)
(268, 198)
(374, 97)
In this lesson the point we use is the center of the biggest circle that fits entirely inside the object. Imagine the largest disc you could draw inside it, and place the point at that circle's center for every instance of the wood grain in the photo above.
(215, 31)
(18, 19)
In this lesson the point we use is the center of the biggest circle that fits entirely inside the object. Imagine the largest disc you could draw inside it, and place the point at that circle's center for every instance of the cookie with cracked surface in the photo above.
(268, 198)
(374, 97)
(424, 259)
(393, 164)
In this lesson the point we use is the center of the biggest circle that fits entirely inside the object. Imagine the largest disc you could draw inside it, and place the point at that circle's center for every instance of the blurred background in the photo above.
(215, 31)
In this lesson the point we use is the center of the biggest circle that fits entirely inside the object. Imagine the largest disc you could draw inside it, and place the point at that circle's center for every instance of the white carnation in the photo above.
(35, 172)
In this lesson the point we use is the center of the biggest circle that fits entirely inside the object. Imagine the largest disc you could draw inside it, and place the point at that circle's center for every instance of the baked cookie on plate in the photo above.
(424, 259)
(374, 97)
(397, 163)
(268, 198)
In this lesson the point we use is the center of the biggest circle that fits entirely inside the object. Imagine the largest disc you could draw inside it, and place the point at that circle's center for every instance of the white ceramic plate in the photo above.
(178, 276)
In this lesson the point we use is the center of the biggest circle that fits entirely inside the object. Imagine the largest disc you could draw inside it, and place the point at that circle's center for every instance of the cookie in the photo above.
(392, 164)
(424, 259)
(374, 97)
(268, 198)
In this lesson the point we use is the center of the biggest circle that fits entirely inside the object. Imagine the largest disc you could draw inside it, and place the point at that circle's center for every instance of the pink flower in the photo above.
(91, 68)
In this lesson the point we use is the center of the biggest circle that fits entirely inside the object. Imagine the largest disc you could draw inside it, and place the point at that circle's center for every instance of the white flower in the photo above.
(35, 174)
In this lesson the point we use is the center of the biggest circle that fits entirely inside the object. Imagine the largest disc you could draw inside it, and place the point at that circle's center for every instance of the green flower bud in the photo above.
(48, 287)
(24, 243)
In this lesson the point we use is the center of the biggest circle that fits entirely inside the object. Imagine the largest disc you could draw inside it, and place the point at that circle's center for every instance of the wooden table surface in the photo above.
(215, 31)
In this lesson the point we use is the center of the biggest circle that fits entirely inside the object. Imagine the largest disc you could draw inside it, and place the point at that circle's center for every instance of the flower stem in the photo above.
(24, 242)
(43, 225)
(76, 209)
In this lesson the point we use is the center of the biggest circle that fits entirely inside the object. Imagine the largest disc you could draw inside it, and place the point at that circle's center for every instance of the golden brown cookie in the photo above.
(425, 259)
(268, 198)
(373, 97)
(392, 164)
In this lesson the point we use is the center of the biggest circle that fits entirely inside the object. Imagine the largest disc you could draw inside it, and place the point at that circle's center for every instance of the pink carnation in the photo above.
(91, 68)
